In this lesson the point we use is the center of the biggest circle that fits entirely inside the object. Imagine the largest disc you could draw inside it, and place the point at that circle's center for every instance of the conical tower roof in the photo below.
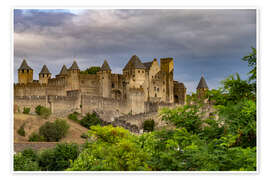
(44, 70)
(134, 63)
(63, 70)
(74, 66)
(24, 66)
(202, 84)
(105, 66)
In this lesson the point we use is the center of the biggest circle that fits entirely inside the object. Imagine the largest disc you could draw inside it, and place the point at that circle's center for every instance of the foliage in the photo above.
(241, 119)
(21, 130)
(187, 116)
(251, 59)
(35, 137)
(122, 153)
(26, 110)
(84, 135)
(43, 111)
(90, 120)
(54, 131)
(58, 158)
(73, 116)
(91, 70)
(24, 163)
(148, 125)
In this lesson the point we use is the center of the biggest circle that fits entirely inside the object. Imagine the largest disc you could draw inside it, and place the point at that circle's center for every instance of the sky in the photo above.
(208, 42)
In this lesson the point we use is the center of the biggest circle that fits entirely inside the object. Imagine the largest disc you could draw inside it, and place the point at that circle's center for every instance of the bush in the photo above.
(26, 110)
(73, 116)
(84, 135)
(148, 125)
(30, 153)
(24, 163)
(21, 131)
(90, 120)
(43, 111)
(54, 131)
(58, 158)
(34, 137)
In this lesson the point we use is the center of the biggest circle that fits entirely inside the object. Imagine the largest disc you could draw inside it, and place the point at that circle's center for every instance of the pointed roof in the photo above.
(24, 66)
(74, 66)
(105, 66)
(134, 63)
(148, 64)
(44, 70)
(63, 70)
(202, 83)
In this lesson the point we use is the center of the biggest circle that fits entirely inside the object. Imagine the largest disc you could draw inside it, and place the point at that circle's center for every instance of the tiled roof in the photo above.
(44, 70)
(63, 70)
(24, 66)
(105, 66)
(202, 84)
(74, 66)
(134, 63)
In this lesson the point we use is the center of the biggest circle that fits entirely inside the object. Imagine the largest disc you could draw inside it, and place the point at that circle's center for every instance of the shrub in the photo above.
(148, 125)
(26, 110)
(34, 137)
(21, 131)
(90, 120)
(43, 111)
(30, 153)
(84, 135)
(24, 163)
(73, 117)
(54, 131)
(58, 158)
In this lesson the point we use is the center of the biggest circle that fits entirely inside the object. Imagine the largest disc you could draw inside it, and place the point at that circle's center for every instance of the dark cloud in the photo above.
(209, 42)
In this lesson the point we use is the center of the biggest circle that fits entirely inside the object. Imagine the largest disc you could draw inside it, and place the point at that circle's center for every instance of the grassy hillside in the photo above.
(33, 122)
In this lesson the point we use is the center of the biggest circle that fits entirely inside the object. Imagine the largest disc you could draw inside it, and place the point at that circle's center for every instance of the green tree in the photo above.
(91, 70)
(111, 149)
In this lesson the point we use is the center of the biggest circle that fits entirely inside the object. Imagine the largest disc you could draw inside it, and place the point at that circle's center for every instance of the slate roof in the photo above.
(202, 83)
(134, 63)
(74, 66)
(105, 66)
(148, 64)
(44, 70)
(63, 70)
(24, 66)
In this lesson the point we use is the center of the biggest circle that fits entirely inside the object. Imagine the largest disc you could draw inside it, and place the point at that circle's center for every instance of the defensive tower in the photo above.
(105, 80)
(166, 68)
(44, 75)
(25, 73)
(202, 88)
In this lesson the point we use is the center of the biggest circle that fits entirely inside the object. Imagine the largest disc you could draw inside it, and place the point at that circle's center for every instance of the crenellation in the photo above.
(143, 87)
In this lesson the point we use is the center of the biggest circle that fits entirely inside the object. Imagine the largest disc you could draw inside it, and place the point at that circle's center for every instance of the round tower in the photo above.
(74, 76)
(202, 88)
(44, 75)
(25, 73)
(105, 80)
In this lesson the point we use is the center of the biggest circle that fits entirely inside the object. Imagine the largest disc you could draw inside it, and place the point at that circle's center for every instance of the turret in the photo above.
(44, 75)
(202, 88)
(134, 72)
(73, 76)
(105, 80)
(63, 72)
(25, 73)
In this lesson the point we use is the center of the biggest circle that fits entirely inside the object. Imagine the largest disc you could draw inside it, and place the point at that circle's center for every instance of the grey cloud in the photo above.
(197, 38)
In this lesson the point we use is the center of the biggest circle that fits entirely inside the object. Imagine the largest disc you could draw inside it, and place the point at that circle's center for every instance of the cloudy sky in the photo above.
(208, 42)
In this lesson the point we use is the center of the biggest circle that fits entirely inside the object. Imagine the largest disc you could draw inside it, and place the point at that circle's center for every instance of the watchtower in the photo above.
(25, 73)
(202, 88)
(73, 76)
(44, 75)
(105, 80)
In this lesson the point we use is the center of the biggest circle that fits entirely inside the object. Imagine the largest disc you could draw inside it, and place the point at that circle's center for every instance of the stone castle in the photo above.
(143, 87)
